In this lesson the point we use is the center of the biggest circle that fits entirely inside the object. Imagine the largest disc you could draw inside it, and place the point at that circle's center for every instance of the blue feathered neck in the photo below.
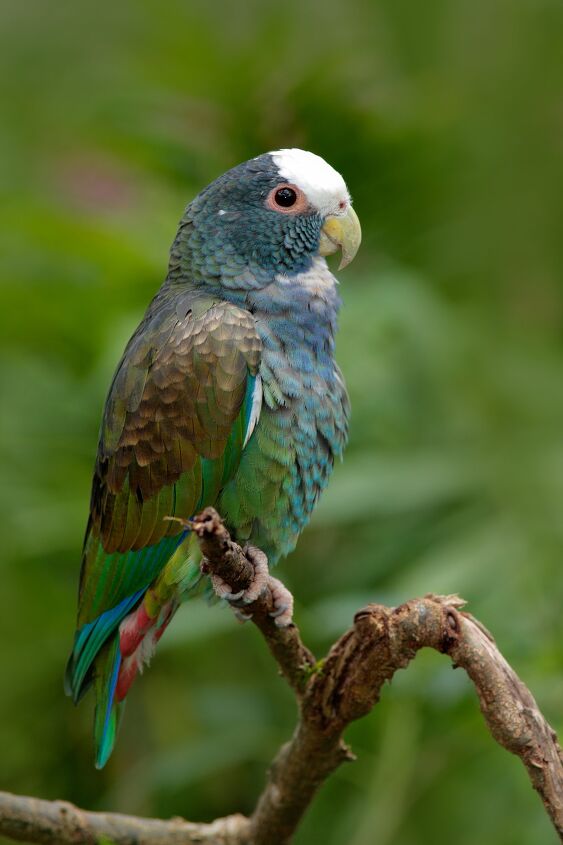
(228, 238)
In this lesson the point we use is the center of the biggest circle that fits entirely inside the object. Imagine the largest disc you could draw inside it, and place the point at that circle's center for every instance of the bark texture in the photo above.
(26, 819)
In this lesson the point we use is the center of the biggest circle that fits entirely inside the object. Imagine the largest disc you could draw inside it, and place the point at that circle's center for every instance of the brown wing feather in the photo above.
(175, 396)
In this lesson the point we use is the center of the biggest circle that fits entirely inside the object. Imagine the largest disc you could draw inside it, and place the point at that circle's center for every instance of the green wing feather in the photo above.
(172, 435)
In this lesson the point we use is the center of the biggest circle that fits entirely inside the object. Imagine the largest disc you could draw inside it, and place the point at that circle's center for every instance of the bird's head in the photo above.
(271, 215)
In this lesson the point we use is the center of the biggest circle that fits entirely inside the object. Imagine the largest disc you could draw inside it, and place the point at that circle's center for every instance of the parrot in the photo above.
(227, 395)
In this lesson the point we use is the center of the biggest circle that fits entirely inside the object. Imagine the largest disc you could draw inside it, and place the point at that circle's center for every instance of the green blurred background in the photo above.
(446, 119)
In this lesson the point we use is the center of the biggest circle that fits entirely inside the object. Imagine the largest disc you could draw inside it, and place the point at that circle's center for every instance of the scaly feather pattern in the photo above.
(172, 433)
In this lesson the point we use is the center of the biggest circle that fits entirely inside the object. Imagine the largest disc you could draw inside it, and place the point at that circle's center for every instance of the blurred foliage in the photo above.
(447, 122)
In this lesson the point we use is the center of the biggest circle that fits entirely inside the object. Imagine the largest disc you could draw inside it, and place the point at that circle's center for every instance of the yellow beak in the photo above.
(341, 232)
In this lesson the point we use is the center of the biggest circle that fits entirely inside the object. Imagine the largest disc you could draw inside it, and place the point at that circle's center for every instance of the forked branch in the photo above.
(331, 693)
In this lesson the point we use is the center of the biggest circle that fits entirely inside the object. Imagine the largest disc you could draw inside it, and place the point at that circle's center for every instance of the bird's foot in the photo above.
(283, 603)
(255, 589)
(281, 597)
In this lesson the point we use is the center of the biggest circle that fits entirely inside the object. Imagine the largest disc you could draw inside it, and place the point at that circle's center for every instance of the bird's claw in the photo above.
(240, 616)
(262, 580)
(223, 590)
(261, 574)
(283, 603)
(255, 589)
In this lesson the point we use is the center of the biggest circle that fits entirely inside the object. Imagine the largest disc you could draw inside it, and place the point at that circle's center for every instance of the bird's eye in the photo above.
(285, 197)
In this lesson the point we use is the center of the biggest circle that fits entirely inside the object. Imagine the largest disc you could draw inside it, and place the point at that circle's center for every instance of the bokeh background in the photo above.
(447, 121)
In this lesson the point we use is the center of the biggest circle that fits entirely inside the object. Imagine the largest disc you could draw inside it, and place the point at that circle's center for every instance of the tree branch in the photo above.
(60, 823)
(347, 685)
(343, 687)
(225, 558)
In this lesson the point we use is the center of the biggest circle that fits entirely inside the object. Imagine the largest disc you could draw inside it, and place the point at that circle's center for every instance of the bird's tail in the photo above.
(110, 657)
(108, 710)
(117, 665)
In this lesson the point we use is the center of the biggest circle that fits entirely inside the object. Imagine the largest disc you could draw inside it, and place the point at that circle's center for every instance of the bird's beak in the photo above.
(341, 232)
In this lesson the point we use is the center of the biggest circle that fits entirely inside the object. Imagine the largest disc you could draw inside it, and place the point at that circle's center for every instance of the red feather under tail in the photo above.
(138, 638)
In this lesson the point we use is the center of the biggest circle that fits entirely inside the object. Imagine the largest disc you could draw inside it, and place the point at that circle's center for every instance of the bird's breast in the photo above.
(303, 422)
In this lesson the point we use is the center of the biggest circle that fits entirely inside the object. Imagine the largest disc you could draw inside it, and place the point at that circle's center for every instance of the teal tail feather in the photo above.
(108, 712)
